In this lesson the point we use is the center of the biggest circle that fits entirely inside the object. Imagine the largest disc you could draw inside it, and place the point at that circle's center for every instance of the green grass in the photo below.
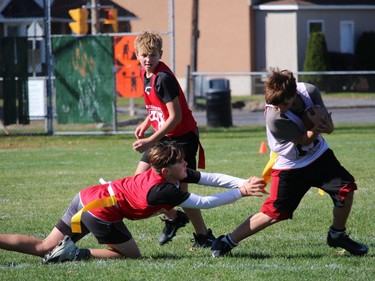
(40, 175)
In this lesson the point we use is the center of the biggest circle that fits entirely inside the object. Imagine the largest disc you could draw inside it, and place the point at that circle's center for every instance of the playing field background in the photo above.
(40, 175)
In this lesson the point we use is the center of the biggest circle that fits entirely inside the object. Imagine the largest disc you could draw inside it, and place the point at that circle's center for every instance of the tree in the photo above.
(316, 59)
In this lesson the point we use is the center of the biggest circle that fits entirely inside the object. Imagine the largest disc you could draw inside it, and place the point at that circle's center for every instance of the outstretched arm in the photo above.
(220, 180)
(252, 187)
(226, 181)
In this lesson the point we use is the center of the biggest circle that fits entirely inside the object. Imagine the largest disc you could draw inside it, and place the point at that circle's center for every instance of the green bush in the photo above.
(316, 59)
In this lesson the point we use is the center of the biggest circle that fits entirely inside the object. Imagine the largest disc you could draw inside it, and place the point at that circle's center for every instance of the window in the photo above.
(13, 31)
(314, 26)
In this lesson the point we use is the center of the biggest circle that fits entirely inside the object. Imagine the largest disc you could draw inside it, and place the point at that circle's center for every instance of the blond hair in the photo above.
(149, 42)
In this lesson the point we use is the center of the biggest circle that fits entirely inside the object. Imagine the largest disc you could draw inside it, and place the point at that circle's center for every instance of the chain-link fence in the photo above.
(252, 83)
(94, 85)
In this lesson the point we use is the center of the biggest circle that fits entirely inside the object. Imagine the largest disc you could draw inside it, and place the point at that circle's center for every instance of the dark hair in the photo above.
(163, 154)
(280, 86)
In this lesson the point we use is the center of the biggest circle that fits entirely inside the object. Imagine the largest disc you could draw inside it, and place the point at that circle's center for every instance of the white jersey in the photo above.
(291, 155)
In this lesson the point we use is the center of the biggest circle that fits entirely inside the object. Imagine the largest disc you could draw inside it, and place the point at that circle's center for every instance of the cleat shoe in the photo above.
(220, 248)
(65, 251)
(203, 240)
(344, 241)
(171, 227)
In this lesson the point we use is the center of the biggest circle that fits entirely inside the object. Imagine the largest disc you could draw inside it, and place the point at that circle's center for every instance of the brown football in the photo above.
(306, 119)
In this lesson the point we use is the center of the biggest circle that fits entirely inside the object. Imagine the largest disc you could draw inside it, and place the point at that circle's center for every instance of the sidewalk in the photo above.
(348, 102)
(330, 103)
(344, 110)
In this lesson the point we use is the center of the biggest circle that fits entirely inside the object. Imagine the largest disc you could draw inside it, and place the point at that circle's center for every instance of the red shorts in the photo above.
(289, 186)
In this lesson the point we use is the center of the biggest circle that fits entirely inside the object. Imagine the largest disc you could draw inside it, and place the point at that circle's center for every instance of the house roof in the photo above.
(22, 9)
(315, 2)
(59, 9)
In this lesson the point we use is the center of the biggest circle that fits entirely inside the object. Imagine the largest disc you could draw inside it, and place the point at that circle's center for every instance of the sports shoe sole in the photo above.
(64, 251)
(167, 238)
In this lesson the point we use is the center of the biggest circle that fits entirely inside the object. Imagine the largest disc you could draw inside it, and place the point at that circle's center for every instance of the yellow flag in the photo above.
(105, 202)
(266, 174)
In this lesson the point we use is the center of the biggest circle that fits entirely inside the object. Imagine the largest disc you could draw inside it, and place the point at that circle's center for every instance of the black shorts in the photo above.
(189, 143)
(289, 186)
(104, 232)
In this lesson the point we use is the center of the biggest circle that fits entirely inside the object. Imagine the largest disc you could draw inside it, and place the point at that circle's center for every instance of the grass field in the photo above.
(40, 175)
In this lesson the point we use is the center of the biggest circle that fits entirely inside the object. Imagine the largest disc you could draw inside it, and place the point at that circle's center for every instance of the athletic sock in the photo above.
(336, 233)
(228, 239)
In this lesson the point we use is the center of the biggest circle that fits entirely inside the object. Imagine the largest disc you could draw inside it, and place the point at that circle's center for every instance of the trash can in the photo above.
(218, 103)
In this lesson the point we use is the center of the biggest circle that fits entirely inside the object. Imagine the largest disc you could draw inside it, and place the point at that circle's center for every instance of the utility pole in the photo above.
(94, 17)
(194, 51)
(48, 45)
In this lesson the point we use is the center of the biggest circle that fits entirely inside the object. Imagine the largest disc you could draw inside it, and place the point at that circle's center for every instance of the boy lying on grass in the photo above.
(100, 209)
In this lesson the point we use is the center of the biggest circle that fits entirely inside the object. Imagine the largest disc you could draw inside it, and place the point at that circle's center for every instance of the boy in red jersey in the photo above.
(172, 120)
(100, 209)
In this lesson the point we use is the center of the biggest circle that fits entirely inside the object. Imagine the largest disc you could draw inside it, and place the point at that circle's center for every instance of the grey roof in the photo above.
(59, 9)
(315, 2)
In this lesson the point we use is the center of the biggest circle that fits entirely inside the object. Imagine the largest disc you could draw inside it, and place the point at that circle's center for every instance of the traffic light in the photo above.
(111, 18)
(80, 16)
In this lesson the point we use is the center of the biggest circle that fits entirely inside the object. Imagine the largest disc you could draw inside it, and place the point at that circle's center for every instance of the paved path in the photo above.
(344, 110)
(348, 102)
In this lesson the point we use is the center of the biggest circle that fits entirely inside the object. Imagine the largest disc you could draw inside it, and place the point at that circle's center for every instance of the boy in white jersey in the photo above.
(304, 160)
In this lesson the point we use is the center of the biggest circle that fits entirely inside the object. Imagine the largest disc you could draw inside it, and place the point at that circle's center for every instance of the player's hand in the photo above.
(141, 129)
(140, 132)
(141, 145)
(254, 186)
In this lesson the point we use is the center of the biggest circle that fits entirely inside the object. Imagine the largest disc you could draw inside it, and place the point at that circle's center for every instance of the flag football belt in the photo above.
(105, 202)
(267, 171)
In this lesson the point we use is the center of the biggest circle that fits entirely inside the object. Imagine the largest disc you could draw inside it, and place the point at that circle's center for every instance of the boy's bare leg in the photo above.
(252, 225)
(30, 245)
(195, 216)
(341, 215)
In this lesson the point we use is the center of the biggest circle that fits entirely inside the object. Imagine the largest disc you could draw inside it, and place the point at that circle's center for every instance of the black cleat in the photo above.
(220, 248)
(203, 240)
(344, 241)
(171, 227)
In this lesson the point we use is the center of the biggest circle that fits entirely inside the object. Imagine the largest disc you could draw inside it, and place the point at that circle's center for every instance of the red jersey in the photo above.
(157, 109)
(131, 195)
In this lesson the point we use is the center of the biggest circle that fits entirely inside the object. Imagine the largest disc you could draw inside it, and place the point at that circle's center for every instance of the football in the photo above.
(311, 116)
(307, 122)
